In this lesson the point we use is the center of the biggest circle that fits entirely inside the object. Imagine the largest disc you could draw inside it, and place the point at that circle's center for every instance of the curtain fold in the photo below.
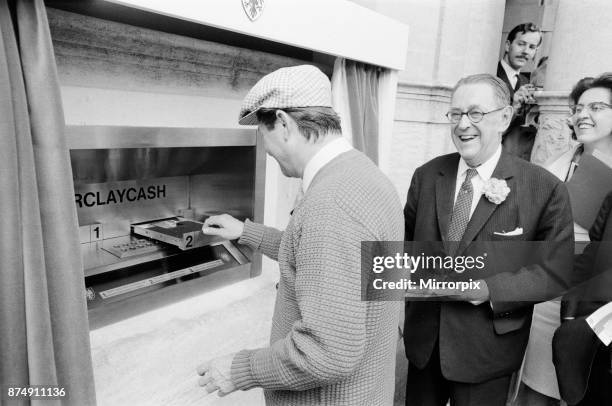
(44, 333)
(363, 95)
(387, 94)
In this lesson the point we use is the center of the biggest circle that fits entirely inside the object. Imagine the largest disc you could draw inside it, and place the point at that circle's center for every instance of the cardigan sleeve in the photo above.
(261, 238)
(328, 342)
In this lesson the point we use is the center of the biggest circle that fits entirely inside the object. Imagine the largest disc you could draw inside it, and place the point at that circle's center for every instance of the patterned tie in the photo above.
(461, 211)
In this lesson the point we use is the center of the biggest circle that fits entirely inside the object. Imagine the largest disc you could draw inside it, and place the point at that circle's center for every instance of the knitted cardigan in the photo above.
(327, 346)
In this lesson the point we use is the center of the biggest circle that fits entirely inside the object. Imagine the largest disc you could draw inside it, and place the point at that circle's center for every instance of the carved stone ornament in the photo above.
(554, 139)
(253, 8)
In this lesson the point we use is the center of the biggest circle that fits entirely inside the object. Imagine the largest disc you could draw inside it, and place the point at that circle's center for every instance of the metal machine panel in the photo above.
(130, 181)
(118, 204)
(235, 188)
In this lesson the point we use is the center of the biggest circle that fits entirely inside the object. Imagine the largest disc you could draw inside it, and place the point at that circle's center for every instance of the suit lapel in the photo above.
(484, 208)
(445, 193)
(501, 73)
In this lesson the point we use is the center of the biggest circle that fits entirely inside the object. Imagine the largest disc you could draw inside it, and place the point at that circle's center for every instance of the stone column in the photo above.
(580, 47)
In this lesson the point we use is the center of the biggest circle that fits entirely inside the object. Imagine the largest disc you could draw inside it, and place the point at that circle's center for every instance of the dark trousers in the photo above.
(599, 389)
(427, 387)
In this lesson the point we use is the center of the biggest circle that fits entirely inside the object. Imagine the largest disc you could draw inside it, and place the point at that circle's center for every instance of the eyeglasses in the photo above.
(475, 115)
(593, 107)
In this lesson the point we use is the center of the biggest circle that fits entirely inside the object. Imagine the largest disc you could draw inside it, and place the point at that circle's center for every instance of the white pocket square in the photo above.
(516, 231)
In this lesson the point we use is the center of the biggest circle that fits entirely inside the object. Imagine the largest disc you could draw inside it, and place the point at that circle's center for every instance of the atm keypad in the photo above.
(133, 247)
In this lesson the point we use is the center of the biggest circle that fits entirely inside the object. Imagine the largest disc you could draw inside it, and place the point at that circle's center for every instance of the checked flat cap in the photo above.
(297, 86)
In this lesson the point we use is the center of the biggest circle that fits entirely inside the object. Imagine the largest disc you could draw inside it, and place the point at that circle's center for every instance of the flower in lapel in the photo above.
(496, 190)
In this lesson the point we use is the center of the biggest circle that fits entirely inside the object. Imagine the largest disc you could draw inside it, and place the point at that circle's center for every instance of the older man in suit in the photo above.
(466, 346)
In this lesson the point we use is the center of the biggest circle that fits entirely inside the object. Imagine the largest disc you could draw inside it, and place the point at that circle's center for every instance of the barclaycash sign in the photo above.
(118, 196)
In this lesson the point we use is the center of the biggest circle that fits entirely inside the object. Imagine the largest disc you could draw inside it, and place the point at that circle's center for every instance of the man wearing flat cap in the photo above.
(327, 345)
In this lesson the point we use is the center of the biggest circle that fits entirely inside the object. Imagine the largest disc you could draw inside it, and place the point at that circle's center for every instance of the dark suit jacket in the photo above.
(592, 276)
(517, 140)
(574, 344)
(501, 73)
(478, 343)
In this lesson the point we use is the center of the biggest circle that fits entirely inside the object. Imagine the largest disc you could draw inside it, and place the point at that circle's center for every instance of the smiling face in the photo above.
(522, 49)
(477, 142)
(594, 127)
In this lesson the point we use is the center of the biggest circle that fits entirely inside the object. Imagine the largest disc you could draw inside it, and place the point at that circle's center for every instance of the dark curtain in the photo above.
(362, 86)
(44, 334)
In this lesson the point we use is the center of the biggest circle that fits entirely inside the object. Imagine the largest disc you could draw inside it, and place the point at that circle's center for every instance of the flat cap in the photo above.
(296, 86)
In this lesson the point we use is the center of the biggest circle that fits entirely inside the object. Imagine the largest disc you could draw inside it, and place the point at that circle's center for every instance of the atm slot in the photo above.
(147, 277)
(130, 287)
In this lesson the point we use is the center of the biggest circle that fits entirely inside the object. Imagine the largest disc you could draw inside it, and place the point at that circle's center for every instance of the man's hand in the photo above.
(224, 226)
(524, 95)
(216, 375)
(476, 293)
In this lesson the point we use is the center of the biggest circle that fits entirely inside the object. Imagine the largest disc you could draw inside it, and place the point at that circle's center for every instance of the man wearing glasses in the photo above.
(520, 48)
(465, 345)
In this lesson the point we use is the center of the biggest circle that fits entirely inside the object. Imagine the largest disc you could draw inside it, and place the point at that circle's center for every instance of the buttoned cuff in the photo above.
(241, 372)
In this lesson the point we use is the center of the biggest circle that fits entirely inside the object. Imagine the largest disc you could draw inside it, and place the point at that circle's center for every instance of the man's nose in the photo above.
(464, 122)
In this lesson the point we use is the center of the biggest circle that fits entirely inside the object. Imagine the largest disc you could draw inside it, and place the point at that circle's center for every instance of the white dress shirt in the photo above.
(322, 158)
(485, 170)
(511, 73)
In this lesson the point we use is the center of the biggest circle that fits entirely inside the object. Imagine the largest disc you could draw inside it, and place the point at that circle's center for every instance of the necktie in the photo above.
(461, 210)
(517, 84)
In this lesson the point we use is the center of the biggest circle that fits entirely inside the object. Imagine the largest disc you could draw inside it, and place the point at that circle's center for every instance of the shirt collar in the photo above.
(485, 170)
(510, 72)
(323, 157)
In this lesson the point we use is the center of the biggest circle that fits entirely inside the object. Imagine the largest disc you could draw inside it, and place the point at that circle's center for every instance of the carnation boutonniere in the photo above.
(496, 190)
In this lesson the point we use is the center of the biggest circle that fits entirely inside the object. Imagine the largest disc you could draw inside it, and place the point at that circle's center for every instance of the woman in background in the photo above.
(591, 120)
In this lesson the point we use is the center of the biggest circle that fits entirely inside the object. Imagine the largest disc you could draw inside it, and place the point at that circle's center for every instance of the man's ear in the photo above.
(507, 115)
(281, 115)
(506, 47)
(283, 119)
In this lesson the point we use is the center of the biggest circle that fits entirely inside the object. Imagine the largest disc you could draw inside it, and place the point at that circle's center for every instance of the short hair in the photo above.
(604, 80)
(523, 29)
(500, 89)
(311, 121)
